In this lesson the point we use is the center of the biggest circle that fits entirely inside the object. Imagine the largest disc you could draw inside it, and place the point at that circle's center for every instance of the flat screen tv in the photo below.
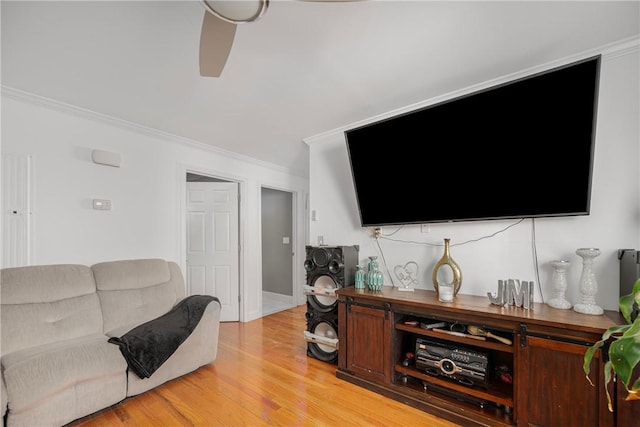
(521, 149)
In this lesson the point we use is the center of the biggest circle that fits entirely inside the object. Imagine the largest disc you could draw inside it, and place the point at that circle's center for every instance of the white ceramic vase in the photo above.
(588, 283)
(560, 285)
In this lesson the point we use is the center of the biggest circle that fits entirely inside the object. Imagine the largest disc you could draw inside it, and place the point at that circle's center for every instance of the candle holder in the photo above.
(560, 285)
(588, 283)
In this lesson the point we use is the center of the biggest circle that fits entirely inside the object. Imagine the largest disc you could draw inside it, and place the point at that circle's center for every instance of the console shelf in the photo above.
(495, 393)
(462, 340)
(535, 380)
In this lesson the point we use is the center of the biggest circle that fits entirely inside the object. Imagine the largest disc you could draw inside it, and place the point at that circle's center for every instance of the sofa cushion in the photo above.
(130, 274)
(132, 292)
(60, 371)
(44, 304)
(45, 283)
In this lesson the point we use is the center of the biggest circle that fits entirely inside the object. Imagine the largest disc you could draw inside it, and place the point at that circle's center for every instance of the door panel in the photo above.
(17, 190)
(368, 339)
(553, 369)
(212, 244)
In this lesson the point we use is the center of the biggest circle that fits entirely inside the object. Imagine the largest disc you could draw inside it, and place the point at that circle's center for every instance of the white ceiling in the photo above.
(303, 69)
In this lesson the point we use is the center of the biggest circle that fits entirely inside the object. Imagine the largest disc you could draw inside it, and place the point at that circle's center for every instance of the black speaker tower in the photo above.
(328, 268)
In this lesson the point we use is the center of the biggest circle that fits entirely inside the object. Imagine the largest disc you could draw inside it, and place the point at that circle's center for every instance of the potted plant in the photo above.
(624, 349)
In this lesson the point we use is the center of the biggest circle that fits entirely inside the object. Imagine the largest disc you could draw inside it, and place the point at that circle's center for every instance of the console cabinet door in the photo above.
(627, 411)
(368, 342)
(552, 389)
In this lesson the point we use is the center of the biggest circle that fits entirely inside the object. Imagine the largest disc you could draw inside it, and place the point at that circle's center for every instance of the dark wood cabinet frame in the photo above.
(548, 386)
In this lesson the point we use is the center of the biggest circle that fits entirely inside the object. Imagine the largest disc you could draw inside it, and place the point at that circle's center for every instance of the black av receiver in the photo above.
(467, 366)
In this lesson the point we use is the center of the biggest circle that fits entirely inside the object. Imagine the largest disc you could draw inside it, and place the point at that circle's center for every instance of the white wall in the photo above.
(146, 192)
(614, 222)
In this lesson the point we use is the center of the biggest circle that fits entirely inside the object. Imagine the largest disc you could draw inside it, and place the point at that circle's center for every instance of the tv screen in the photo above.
(521, 149)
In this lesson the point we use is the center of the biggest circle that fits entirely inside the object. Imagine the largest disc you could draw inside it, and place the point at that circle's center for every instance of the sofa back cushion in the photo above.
(132, 292)
(47, 303)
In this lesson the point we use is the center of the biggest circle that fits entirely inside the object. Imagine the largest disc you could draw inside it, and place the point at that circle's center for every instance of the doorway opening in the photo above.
(277, 239)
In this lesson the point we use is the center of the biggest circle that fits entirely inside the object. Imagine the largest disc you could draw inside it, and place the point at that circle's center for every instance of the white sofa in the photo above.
(57, 364)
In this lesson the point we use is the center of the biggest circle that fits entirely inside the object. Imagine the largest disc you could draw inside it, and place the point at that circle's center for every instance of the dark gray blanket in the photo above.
(146, 347)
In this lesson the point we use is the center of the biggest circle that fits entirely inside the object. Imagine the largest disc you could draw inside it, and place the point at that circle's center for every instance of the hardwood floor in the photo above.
(262, 377)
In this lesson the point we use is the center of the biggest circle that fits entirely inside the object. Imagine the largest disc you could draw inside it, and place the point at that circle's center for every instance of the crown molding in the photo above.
(32, 98)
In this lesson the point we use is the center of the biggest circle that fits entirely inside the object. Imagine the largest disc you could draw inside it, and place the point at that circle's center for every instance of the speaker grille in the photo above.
(323, 304)
(326, 327)
(338, 262)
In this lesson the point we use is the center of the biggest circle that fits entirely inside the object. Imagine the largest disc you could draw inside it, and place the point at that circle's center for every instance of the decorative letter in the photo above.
(513, 292)
(498, 299)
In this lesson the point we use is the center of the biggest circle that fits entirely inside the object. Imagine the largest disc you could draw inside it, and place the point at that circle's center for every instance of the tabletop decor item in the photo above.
(359, 277)
(374, 275)
(407, 275)
(513, 292)
(500, 297)
(446, 276)
(588, 283)
(559, 282)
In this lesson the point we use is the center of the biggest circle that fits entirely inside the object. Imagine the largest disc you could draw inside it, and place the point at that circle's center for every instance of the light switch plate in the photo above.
(101, 204)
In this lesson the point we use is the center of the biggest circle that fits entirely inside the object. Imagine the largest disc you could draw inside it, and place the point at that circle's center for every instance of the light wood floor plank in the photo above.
(262, 377)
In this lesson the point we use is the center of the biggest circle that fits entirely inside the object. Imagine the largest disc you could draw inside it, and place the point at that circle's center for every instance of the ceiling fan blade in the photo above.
(216, 40)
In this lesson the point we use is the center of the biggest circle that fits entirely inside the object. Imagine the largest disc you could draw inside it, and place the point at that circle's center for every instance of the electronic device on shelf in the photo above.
(466, 366)
(519, 124)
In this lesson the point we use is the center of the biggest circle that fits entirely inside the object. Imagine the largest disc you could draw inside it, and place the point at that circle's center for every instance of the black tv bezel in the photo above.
(595, 58)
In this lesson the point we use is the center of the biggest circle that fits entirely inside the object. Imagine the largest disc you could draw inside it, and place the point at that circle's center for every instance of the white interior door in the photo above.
(16, 210)
(212, 244)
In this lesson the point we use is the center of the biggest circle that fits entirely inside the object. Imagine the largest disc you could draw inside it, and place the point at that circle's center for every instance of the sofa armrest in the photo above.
(214, 308)
(147, 346)
(199, 349)
(212, 330)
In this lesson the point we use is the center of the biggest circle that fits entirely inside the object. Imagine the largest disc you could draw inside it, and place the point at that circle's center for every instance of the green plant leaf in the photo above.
(624, 352)
(608, 374)
(588, 355)
(624, 349)
(615, 331)
(626, 301)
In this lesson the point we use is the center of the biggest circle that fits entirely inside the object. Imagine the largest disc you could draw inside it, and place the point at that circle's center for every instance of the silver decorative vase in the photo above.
(559, 285)
(588, 283)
